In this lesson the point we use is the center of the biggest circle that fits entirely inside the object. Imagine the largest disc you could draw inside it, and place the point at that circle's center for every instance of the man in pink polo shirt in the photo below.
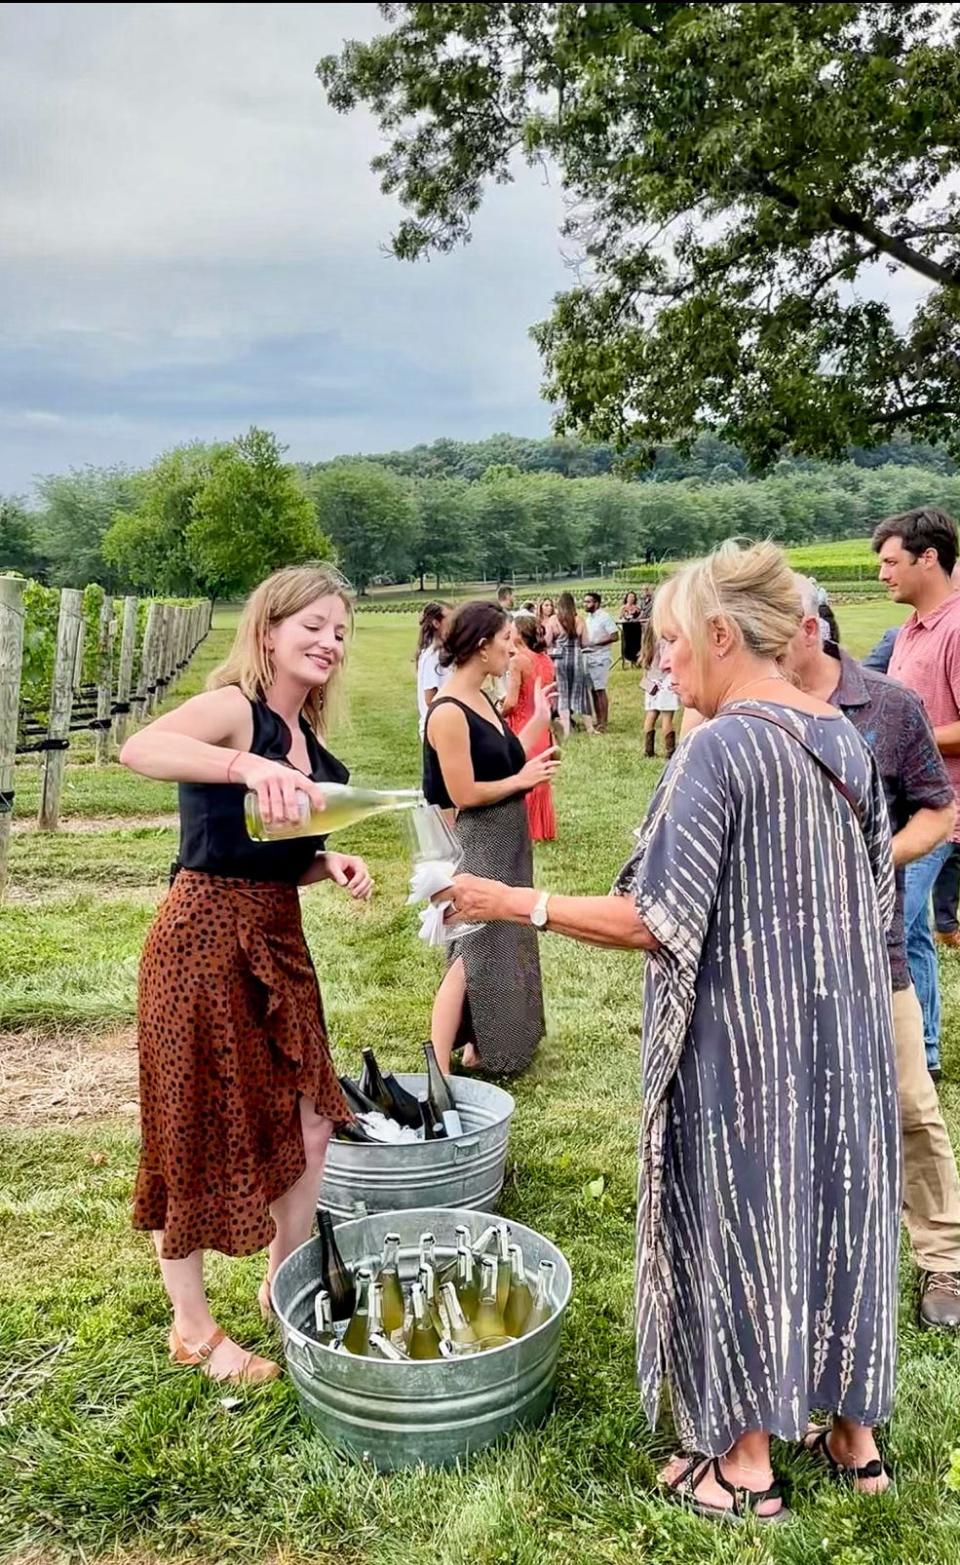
(918, 552)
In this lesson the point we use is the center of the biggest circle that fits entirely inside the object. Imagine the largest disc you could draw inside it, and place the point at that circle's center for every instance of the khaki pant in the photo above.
(931, 1187)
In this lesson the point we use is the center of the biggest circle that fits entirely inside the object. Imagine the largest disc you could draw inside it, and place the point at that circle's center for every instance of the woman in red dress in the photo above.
(529, 665)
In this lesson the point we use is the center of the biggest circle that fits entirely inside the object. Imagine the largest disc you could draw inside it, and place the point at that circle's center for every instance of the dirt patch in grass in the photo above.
(85, 823)
(64, 1078)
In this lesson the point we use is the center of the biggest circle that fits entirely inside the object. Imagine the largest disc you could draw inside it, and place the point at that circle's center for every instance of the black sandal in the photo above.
(683, 1489)
(819, 1449)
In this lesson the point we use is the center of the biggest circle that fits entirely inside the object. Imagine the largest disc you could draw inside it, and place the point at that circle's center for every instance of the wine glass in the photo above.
(432, 838)
(434, 841)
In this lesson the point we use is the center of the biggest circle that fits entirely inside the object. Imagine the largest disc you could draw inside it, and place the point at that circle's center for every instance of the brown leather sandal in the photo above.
(254, 1372)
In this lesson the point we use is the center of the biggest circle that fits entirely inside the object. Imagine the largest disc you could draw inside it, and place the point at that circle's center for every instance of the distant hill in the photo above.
(572, 459)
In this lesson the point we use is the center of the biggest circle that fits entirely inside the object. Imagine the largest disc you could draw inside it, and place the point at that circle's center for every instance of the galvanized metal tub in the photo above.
(435, 1411)
(467, 1171)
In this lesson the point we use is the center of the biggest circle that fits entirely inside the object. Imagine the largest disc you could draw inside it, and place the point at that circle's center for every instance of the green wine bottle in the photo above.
(488, 1321)
(542, 1307)
(388, 1279)
(460, 1329)
(334, 1273)
(345, 805)
(427, 1278)
(503, 1266)
(355, 1336)
(519, 1299)
(467, 1281)
(424, 1340)
(372, 1084)
(428, 1250)
(439, 1095)
(378, 1344)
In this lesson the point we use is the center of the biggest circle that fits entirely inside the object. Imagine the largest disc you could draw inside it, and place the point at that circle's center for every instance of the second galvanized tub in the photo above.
(468, 1171)
(431, 1411)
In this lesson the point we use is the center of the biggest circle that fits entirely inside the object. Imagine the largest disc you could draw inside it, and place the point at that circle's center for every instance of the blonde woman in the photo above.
(238, 1091)
(769, 1195)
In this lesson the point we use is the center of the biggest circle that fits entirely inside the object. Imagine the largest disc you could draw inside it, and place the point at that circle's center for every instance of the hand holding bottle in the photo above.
(540, 768)
(280, 789)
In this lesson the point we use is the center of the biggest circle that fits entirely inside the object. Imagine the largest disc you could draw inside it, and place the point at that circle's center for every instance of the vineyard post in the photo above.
(69, 626)
(166, 653)
(183, 637)
(78, 660)
(148, 660)
(128, 642)
(11, 657)
(104, 680)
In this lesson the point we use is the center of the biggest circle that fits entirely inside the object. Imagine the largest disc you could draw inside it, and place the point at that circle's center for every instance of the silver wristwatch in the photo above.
(538, 917)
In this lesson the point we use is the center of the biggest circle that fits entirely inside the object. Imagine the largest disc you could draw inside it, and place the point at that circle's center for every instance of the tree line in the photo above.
(211, 520)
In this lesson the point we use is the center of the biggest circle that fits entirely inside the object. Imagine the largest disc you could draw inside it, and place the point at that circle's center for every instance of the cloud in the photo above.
(193, 241)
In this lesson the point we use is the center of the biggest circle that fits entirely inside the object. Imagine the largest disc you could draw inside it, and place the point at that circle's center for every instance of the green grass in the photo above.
(107, 1451)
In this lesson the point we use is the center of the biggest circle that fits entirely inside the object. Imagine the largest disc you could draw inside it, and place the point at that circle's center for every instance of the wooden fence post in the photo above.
(148, 659)
(81, 642)
(128, 643)
(61, 705)
(164, 642)
(104, 680)
(11, 657)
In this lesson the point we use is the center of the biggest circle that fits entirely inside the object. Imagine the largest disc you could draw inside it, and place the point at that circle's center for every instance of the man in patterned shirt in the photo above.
(892, 723)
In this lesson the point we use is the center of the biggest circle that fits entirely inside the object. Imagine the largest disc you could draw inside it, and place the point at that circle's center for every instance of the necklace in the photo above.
(761, 679)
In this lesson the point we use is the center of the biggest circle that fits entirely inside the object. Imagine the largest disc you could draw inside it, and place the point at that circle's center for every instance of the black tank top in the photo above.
(494, 751)
(213, 834)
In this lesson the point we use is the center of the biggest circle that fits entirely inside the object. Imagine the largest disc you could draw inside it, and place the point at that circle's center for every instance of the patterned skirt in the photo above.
(503, 1017)
(231, 1034)
(574, 688)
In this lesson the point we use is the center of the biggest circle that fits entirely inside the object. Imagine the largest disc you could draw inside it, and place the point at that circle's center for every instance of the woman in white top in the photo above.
(430, 676)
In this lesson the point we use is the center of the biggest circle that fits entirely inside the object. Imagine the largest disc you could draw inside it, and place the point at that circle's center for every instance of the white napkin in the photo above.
(428, 878)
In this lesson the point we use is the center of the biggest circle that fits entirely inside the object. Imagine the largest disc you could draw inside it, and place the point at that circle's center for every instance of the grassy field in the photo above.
(107, 1451)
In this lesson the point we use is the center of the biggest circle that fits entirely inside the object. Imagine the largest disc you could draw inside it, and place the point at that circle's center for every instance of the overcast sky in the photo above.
(190, 242)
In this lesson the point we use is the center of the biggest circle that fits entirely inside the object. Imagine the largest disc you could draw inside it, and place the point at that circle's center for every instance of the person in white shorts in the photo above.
(602, 634)
(661, 698)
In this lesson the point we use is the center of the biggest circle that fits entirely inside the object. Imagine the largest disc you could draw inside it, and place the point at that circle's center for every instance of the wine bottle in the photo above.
(488, 1321)
(356, 1334)
(467, 1283)
(323, 1317)
(353, 1131)
(503, 1265)
(406, 1108)
(345, 806)
(388, 1280)
(428, 1250)
(358, 1101)
(372, 1084)
(480, 1245)
(382, 1347)
(542, 1306)
(448, 1273)
(438, 1093)
(519, 1299)
(427, 1278)
(461, 1331)
(431, 1130)
(424, 1340)
(335, 1276)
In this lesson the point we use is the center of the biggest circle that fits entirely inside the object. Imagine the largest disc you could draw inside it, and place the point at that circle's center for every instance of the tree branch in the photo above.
(851, 223)
(917, 411)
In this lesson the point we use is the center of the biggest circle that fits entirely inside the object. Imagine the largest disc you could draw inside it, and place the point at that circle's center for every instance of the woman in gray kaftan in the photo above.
(769, 1191)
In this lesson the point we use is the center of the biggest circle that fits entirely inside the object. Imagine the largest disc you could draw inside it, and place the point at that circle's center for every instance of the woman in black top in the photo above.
(491, 997)
(238, 1091)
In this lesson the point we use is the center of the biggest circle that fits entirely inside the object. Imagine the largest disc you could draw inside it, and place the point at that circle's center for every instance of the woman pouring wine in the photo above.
(238, 1091)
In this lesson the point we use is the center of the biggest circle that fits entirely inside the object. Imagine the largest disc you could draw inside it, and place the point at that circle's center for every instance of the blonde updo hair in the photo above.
(249, 663)
(750, 586)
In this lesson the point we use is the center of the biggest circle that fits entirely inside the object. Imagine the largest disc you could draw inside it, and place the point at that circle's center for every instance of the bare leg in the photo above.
(448, 1013)
(667, 726)
(603, 709)
(853, 1445)
(746, 1466)
(192, 1319)
(294, 1211)
(564, 720)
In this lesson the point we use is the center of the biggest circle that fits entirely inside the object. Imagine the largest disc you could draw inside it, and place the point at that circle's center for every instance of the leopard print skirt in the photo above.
(231, 1034)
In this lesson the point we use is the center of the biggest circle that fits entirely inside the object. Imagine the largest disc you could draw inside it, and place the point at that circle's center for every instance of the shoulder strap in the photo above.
(828, 771)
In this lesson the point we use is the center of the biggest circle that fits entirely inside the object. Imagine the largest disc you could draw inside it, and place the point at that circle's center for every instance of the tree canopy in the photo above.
(739, 178)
